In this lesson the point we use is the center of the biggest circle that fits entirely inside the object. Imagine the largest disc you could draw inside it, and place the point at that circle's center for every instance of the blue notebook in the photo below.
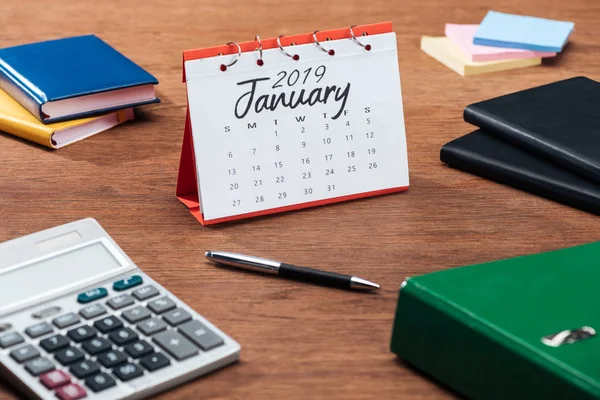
(73, 77)
(521, 32)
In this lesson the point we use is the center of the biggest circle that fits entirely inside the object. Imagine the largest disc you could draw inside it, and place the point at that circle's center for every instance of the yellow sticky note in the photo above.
(446, 52)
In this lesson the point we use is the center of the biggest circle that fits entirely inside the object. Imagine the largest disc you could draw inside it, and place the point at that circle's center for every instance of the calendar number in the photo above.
(306, 175)
(328, 157)
(330, 188)
(326, 127)
(371, 151)
(260, 199)
(278, 164)
(303, 144)
(294, 76)
(372, 165)
(368, 121)
(351, 154)
(281, 195)
(370, 135)
(253, 151)
(349, 137)
(303, 130)
(329, 171)
(231, 171)
(255, 168)
(236, 203)
(308, 191)
(351, 168)
(306, 160)
(258, 182)
(277, 148)
(234, 186)
(231, 154)
(326, 140)
(279, 179)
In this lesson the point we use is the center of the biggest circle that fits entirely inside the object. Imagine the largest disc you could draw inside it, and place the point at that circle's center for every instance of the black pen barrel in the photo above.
(315, 276)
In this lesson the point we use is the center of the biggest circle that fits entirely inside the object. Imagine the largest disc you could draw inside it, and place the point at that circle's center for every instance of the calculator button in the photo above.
(68, 355)
(145, 292)
(177, 316)
(161, 305)
(100, 382)
(10, 339)
(108, 324)
(39, 330)
(127, 372)
(123, 336)
(155, 361)
(121, 301)
(92, 311)
(54, 343)
(54, 379)
(72, 391)
(151, 326)
(82, 333)
(39, 366)
(46, 312)
(92, 295)
(84, 368)
(176, 345)
(112, 358)
(138, 349)
(66, 320)
(136, 314)
(24, 353)
(96, 345)
(4, 326)
(128, 283)
(198, 333)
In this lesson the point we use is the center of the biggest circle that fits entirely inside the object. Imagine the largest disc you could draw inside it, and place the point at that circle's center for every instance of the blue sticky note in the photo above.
(520, 32)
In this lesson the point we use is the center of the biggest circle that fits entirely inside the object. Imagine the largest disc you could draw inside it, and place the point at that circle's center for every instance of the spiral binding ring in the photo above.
(367, 47)
(294, 57)
(224, 67)
(331, 52)
(260, 61)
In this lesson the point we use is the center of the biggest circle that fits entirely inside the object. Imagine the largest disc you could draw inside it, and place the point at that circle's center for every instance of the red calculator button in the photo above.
(54, 379)
(72, 391)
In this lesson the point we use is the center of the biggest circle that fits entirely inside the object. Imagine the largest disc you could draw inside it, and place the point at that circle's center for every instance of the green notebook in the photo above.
(479, 329)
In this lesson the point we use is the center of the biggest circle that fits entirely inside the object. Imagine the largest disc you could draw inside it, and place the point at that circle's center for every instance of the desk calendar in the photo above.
(287, 123)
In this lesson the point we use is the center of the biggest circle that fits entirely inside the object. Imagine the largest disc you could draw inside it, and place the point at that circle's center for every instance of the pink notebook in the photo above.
(462, 36)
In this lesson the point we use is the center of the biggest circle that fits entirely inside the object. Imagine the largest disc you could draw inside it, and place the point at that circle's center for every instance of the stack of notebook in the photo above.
(501, 42)
(544, 140)
(58, 92)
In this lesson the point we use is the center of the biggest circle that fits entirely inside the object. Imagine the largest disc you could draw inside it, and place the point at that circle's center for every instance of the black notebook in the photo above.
(488, 156)
(559, 121)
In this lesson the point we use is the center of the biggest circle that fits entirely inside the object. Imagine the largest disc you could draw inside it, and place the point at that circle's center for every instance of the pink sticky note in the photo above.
(462, 36)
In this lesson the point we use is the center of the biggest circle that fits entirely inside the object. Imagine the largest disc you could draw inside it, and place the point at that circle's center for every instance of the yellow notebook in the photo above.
(16, 120)
(446, 52)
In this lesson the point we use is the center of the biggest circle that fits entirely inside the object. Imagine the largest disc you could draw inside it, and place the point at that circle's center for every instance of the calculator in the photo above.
(78, 319)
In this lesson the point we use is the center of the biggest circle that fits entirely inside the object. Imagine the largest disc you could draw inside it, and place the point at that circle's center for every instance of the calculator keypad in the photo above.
(109, 348)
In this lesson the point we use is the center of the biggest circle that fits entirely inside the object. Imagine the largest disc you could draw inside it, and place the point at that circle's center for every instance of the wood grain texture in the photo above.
(298, 341)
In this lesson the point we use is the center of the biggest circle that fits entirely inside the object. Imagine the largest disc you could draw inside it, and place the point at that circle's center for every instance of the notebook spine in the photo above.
(529, 141)
(28, 97)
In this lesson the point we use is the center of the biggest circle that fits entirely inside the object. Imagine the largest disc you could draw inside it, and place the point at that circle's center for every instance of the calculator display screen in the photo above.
(55, 273)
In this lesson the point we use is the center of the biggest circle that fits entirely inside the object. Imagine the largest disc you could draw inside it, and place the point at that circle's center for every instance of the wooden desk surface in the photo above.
(298, 341)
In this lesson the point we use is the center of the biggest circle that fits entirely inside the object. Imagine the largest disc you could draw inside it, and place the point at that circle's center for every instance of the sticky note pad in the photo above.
(520, 32)
(462, 36)
(446, 52)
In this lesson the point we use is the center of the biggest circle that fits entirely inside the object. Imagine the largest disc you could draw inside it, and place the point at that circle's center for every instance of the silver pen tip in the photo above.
(208, 254)
(360, 283)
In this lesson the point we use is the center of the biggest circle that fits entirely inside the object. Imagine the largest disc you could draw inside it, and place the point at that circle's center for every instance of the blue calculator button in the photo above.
(92, 295)
(127, 283)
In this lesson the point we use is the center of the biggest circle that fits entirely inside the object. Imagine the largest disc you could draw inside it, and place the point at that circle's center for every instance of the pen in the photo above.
(289, 271)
